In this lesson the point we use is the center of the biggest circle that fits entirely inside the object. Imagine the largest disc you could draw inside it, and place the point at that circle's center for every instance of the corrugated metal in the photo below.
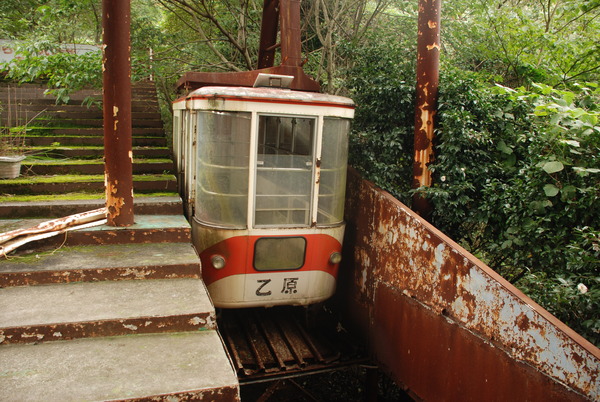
(443, 323)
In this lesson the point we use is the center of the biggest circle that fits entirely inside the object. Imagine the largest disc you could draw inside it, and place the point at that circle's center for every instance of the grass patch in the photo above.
(80, 179)
(74, 196)
(45, 161)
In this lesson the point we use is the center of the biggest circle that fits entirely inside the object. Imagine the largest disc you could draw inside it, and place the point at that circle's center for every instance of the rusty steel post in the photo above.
(291, 38)
(268, 34)
(428, 62)
(117, 112)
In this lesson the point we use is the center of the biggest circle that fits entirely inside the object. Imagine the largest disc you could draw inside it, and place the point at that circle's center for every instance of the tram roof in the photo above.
(269, 95)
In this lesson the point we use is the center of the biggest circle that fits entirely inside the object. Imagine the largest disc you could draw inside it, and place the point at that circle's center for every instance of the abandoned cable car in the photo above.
(263, 174)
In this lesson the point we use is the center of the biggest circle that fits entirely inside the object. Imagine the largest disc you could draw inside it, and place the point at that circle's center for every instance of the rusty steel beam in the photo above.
(445, 325)
(428, 62)
(118, 159)
(194, 80)
(268, 34)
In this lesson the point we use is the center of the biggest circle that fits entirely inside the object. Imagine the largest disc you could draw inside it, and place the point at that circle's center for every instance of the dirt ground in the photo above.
(347, 385)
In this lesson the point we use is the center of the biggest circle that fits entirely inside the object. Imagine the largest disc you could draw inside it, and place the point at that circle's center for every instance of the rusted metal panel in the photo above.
(193, 80)
(424, 300)
(428, 62)
(118, 155)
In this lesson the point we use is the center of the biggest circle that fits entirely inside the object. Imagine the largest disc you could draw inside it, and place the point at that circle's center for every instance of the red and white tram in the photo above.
(263, 173)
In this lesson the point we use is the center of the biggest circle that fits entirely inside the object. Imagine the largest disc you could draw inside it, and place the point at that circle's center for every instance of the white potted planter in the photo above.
(10, 166)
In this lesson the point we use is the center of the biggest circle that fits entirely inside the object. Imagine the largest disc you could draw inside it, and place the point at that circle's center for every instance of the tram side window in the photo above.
(334, 159)
(176, 138)
(222, 168)
(284, 170)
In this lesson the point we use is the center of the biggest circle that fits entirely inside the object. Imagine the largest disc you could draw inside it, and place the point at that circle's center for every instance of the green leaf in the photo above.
(551, 190)
(568, 192)
(572, 143)
(502, 147)
(553, 167)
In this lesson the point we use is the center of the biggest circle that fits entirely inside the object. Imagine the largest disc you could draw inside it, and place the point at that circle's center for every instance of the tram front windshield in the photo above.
(284, 172)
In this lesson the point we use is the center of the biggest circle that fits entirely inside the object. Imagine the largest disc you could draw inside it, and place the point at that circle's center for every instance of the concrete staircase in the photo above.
(64, 146)
(104, 313)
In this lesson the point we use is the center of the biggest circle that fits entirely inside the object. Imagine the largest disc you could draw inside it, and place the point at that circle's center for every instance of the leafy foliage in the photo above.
(523, 41)
(518, 183)
(517, 172)
(381, 142)
(63, 72)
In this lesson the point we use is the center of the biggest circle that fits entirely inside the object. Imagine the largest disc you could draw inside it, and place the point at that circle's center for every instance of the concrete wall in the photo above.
(442, 323)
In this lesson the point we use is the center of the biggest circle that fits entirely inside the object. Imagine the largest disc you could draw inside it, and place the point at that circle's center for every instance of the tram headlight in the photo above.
(335, 257)
(218, 262)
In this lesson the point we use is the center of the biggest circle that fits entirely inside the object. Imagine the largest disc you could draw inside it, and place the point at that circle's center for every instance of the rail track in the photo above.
(285, 342)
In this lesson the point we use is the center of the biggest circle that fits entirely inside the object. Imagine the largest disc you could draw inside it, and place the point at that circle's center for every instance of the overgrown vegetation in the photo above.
(517, 173)
(517, 168)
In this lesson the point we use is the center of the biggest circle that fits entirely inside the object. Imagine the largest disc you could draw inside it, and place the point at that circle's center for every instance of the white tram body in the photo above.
(263, 175)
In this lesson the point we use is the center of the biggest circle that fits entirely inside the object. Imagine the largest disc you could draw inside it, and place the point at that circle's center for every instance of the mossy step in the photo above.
(99, 122)
(94, 131)
(58, 184)
(136, 107)
(141, 99)
(105, 262)
(97, 140)
(90, 167)
(59, 205)
(146, 229)
(95, 114)
(96, 151)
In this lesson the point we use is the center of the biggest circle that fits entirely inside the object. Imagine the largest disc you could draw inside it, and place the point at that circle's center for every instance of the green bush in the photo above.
(518, 184)
(383, 90)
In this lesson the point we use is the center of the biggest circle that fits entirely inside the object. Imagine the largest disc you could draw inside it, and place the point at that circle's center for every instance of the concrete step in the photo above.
(97, 151)
(108, 308)
(93, 141)
(33, 108)
(181, 366)
(97, 131)
(73, 203)
(85, 113)
(90, 167)
(99, 122)
(147, 229)
(59, 184)
(104, 262)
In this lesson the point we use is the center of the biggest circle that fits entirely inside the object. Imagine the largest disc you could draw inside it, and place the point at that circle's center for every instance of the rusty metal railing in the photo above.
(444, 324)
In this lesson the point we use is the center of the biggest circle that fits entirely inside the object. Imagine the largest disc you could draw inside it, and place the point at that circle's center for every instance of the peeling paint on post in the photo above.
(428, 61)
(117, 112)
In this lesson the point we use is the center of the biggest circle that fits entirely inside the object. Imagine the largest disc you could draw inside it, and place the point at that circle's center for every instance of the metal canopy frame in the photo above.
(278, 15)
